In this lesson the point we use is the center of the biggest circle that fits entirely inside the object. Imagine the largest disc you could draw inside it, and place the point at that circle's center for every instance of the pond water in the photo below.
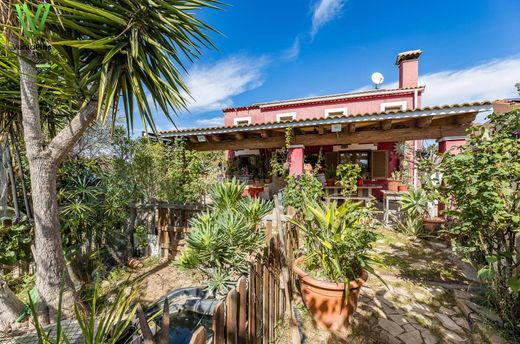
(184, 323)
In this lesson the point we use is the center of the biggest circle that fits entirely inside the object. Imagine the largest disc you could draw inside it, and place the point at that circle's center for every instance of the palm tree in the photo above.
(96, 55)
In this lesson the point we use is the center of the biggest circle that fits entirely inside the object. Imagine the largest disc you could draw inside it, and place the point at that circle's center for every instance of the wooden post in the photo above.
(231, 317)
(143, 324)
(219, 321)
(265, 298)
(199, 336)
(165, 329)
(242, 310)
(259, 300)
(251, 300)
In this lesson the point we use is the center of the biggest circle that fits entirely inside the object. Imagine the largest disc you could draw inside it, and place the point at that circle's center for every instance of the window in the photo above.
(362, 158)
(286, 117)
(394, 106)
(242, 120)
(336, 112)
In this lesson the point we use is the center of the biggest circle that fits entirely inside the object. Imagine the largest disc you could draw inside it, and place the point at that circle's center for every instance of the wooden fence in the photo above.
(173, 225)
(259, 303)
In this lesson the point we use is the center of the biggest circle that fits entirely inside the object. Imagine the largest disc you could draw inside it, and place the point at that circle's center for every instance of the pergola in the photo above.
(437, 122)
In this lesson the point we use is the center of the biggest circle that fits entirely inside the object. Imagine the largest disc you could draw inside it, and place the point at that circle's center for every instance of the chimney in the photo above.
(408, 63)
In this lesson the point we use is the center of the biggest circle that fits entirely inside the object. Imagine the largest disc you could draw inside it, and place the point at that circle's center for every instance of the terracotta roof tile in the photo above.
(408, 55)
(252, 126)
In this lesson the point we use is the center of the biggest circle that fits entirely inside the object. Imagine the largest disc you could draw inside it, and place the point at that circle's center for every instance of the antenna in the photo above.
(377, 79)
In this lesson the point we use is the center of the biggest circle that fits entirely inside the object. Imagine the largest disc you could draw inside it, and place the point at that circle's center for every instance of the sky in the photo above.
(273, 50)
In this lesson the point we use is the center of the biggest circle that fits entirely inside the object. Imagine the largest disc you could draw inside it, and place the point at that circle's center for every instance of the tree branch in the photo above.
(62, 143)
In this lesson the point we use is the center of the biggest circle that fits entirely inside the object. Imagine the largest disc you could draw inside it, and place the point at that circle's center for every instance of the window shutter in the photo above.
(331, 159)
(379, 164)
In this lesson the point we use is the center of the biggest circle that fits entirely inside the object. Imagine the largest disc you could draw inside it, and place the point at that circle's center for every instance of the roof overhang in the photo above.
(426, 123)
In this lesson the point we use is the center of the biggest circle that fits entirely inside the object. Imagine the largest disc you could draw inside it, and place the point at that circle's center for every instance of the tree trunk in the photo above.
(49, 258)
(10, 307)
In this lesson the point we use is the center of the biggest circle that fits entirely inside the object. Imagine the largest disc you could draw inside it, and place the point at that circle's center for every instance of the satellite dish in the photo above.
(377, 78)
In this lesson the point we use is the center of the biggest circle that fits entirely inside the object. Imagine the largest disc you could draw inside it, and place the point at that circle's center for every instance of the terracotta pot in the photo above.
(326, 300)
(393, 185)
(402, 188)
(331, 181)
(134, 263)
(433, 225)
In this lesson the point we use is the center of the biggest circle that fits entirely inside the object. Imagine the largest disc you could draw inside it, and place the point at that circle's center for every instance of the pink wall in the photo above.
(295, 159)
(307, 111)
(451, 146)
(409, 73)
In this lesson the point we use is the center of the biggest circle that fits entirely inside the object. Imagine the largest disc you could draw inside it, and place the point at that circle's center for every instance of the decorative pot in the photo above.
(402, 188)
(433, 225)
(326, 300)
(331, 181)
(393, 185)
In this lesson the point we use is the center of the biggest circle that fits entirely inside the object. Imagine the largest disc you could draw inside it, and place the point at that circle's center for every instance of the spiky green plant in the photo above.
(227, 194)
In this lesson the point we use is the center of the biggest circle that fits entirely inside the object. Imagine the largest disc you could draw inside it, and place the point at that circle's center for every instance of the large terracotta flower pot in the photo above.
(433, 225)
(326, 300)
(393, 185)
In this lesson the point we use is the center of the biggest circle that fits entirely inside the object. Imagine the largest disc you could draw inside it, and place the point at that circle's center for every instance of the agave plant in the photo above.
(254, 209)
(414, 203)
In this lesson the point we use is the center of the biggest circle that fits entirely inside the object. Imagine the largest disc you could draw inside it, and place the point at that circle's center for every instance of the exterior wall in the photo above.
(307, 111)
(409, 73)
(451, 145)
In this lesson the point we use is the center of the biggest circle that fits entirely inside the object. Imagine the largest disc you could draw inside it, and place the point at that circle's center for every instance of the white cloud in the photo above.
(210, 122)
(323, 12)
(293, 51)
(213, 86)
(488, 81)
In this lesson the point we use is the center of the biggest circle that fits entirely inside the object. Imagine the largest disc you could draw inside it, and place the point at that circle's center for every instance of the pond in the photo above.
(183, 323)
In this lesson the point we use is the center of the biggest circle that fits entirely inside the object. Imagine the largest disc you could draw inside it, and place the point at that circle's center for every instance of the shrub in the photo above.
(301, 188)
(348, 175)
(483, 183)
(223, 238)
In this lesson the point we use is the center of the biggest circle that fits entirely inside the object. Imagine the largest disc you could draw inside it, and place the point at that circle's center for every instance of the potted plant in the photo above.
(330, 176)
(402, 187)
(415, 204)
(394, 181)
(334, 265)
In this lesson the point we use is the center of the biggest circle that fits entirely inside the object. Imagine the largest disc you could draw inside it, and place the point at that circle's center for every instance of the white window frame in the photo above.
(403, 104)
(239, 119)
(329, 111)
(280, 115)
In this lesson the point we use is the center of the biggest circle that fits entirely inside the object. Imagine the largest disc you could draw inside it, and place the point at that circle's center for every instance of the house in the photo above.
(361, 127)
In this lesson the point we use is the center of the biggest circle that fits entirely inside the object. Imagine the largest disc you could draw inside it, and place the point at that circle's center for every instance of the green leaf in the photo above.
(514, 284)
(486, 273)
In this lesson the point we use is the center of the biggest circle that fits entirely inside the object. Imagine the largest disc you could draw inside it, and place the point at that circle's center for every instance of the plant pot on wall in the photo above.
(393, 185)
(402, 188)
(326, 300)
(331, 181)
(434, 224)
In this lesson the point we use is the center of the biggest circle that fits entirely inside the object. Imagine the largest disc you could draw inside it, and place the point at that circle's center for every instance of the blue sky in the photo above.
(273, 50)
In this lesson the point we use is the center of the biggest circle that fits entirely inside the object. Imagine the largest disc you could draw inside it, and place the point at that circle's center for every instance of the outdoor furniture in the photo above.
(366, 200)
(387, 197)
(365, 190)
(253, 191)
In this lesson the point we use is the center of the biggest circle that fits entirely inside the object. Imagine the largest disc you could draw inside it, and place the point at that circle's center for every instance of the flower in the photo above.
(18, 219)
(516, 133)
(125, 158)
(120, 142)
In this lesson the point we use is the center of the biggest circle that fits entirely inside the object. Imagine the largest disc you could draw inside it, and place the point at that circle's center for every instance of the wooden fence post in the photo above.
(231, 317)
(251, 301)
(165, 329)
(199, 336)
(219, 323)
(242, 309)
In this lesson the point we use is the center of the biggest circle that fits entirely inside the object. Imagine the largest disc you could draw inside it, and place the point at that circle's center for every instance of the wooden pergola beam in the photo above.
(465, 118)
(216, 137)
(368, 136)
(424, 122)
(386, 124)
(321, 130)
(265, 134)
(239, 136)
(352, 128)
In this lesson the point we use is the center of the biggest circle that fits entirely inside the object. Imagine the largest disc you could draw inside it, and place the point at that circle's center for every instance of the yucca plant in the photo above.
(97, 54)
(224, 237)
(227, 194)
(336, 240)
